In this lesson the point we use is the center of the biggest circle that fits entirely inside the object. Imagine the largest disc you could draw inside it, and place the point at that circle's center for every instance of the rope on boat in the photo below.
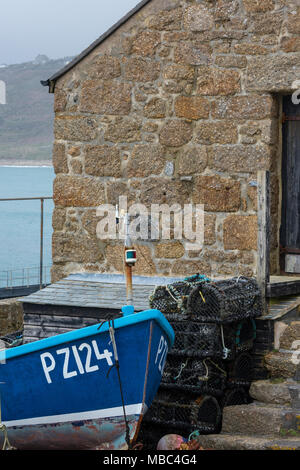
(3, 430)
(117, 366)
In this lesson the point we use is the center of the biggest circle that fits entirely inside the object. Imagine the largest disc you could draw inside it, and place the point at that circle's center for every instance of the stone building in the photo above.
(181, 102)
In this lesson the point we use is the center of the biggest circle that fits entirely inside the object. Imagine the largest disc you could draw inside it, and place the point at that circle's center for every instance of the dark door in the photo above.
(290, 222)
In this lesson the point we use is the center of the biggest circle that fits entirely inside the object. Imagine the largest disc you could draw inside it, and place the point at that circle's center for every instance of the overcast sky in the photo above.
(57, 28)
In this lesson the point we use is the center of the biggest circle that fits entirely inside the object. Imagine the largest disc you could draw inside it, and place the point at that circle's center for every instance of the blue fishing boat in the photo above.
(85, 389)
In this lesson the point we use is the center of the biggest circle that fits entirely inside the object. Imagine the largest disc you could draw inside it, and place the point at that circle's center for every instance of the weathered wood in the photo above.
(290, 219)
(62, 310)
(281, 289)
(263, 241)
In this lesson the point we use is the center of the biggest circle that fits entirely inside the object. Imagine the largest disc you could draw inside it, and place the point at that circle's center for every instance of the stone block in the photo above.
(239, 158)
(216, 132)
(74, 151)
(252, 420)
(165, 191)
(78, 191)
(214, 81)
(245, 107)
(179, 72)
(250, 49)
(76, 167)
(240, 232)
(145, 43)
(274, 73)
(89, 220)
(75, 248)
(175, 133)
(168, 20)
(257, 6)
(172, 250)
(192, 107)
(192, 160)
(267, 24)
(141, 70)
(270, 392)
(293, 20)
(60, 100)
(155, 108)
(217, 194)
(102, 160)
(115, 189)
(58, 219)
(231, 61)
(198, 18)
(106, 97)
(146, 160)
(193, 53)
(11, 316)
(290, 335)
(280, 364)
(290, 44)
(59, 158)
(245, 442)
(123, 130)
(105, 67)
(209, 229)
(75, 128)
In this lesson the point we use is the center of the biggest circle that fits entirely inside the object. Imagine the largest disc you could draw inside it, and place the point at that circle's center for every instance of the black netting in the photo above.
(203, 414)
(245, 335)
(205, 376)
(196, 339)
(215, 331)
(235, 397)
(225, 301)
(239, 336)
(171, 300)
(149, 435)
(240, 371)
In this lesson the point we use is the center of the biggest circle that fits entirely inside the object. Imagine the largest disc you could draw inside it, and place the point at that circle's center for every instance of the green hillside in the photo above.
(26, 120)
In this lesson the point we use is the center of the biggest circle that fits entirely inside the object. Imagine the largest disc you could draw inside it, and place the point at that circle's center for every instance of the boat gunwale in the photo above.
(92, 330)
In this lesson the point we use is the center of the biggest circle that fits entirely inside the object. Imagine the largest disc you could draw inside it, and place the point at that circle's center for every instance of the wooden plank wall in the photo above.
(263, 240)
(43, 321)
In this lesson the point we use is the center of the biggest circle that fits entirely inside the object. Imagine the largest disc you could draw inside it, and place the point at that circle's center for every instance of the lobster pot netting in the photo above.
(203, 414)
(201, 340)
(196, 339)
(171, 299)
(238, 337)
(225, 301)
(235, 397)
(240, 371)
(205, 376)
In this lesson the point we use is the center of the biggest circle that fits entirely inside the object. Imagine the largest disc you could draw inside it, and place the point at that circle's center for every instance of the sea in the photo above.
(20, 223)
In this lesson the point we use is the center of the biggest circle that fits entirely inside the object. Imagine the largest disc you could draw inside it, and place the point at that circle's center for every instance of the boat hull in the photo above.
(64, 392)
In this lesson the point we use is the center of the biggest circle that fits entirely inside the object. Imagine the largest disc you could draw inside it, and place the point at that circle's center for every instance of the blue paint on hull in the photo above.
(62, 392)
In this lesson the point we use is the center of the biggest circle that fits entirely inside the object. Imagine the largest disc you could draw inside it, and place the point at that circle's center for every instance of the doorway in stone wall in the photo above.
(290, 212)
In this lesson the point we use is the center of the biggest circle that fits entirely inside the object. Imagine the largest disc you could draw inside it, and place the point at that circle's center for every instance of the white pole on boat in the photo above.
(130, 260)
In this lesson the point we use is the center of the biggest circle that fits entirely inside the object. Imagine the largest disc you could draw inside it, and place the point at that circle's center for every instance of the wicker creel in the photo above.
(225, 301)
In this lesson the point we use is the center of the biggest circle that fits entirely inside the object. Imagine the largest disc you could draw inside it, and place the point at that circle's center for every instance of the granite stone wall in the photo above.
(181, 104)
(11, 316)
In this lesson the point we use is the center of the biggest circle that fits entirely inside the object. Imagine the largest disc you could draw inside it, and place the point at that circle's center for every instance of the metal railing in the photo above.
(24, 277)
(41, 267)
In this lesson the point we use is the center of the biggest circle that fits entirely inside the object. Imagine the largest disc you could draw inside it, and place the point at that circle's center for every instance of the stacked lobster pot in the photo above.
(210, 365)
